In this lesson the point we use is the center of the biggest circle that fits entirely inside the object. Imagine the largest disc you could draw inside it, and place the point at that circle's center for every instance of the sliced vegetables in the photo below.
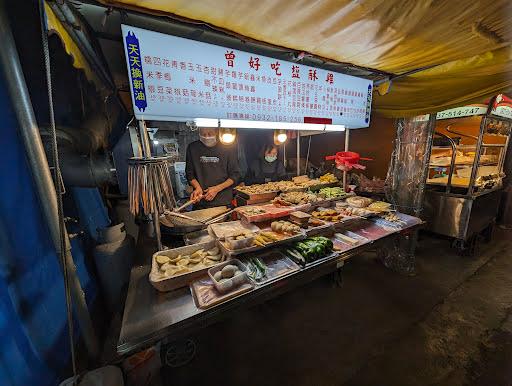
(256, 269)
(264, 238)
(329, 193)
(309, 250)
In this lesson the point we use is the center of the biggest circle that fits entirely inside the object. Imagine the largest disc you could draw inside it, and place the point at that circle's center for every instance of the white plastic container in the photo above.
(230, 283)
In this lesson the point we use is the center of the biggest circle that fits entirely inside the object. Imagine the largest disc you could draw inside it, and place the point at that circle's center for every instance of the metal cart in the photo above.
(466, 170)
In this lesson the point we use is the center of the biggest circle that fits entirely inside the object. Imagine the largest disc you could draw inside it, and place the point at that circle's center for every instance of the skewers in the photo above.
(149, 184)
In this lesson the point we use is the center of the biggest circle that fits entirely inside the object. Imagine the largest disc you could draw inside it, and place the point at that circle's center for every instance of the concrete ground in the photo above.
(449, 324)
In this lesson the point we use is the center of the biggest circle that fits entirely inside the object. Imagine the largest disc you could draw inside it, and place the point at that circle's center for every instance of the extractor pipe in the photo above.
(29, 133)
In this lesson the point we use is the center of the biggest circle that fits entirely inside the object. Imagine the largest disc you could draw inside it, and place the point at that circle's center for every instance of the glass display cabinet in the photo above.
(465, 170)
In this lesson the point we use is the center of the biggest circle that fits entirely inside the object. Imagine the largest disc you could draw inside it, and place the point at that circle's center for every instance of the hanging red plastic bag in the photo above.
(348, 160)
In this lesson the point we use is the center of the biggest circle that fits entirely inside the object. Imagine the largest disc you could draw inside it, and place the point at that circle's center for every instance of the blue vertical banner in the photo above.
(136, 72)
(368, 104)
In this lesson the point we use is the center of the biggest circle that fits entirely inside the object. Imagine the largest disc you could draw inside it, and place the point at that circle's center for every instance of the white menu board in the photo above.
(173, 78)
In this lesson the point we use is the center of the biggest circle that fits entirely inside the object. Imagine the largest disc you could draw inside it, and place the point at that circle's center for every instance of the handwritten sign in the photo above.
(183, 79)
(503, 111)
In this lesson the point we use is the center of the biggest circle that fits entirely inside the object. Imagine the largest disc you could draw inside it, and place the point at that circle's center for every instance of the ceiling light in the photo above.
(280, 137)
(227, 135)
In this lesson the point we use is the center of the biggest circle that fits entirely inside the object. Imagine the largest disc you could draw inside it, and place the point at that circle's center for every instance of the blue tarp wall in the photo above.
(34, 348)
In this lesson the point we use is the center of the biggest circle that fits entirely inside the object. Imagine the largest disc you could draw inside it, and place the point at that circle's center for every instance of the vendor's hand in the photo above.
(211, 192)
(196, 195)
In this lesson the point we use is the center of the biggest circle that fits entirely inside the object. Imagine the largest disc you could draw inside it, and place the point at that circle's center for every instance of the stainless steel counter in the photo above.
(150, 316)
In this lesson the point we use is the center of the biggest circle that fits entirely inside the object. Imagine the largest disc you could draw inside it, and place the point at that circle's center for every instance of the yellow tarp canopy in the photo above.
(79, 61)
(468, 43)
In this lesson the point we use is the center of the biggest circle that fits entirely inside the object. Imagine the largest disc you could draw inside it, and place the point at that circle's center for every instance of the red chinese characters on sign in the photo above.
(254, 63)
(295, 72)
(330, 78)
(230, 57)
(312, 75)
(275, 67)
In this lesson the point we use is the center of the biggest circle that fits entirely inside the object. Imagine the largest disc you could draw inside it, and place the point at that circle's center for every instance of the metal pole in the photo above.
(146, 149)
(478, 150)
(298, 152)
(29, 133)
(347, 141)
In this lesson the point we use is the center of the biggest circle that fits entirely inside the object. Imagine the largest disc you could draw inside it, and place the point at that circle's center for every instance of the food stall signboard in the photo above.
(176, 79)
(464, 111)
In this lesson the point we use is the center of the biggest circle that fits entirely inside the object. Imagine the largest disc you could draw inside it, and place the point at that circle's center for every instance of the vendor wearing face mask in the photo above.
(267, 167)
(211, 169)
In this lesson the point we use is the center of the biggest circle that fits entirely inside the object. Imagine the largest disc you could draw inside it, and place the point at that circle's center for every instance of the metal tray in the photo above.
(255, 248)
(205, 294)
(197, 237)
(267, 196)
(331, 255)
(225, 229)
(317, 187)
(318, 230)
(278, 265)
(184, 279)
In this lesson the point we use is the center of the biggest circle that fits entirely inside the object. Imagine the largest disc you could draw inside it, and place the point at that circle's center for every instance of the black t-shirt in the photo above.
(262, 171)
(211, 166)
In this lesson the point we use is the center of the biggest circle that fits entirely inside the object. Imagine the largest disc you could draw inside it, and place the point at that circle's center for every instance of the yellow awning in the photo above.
(467, 42)
(453, 84)
(79, 61)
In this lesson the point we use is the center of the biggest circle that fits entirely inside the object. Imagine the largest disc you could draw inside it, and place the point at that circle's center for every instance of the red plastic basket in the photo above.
(347, 160)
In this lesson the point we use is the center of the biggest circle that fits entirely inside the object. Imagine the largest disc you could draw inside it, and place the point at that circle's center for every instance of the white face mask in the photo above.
(270, 158)
(208, 141)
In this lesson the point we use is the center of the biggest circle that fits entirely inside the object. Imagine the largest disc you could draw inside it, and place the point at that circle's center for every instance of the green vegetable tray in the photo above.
(277, 265)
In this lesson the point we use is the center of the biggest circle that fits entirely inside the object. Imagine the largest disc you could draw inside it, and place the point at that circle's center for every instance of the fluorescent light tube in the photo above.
(243, 124)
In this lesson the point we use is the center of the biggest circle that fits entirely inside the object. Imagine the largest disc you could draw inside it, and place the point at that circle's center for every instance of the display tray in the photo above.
(321, 204)
(294, 189)
(317, 187)
(372, 231)
(197, 237)
(206, 295)
(271, 212)
(243, 213)
(226, 229)
(331, 255)
(182, 280)
(331, 222)
(283, 239)
(316, 230)
(267, 196)
(278, 265)
(342, 246)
